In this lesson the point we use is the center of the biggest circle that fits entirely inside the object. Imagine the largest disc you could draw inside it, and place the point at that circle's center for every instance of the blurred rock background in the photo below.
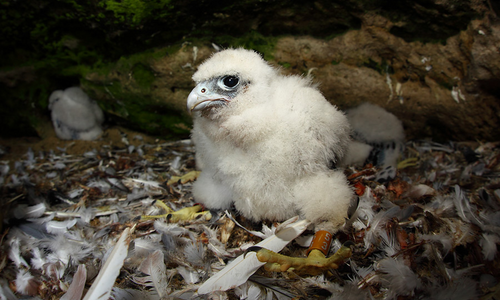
(433, 63)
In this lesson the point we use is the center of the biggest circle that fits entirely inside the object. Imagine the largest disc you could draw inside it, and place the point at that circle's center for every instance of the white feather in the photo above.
(5, 292)
(15, 252)
(189, 275)
(101, 288)
(441, 238)
(255, 293)
(378, 221)
(195, 253)
(389, 244)
(239, 270)
(68, 246)
(397, 277)
(37, 261)
(26, 284)
(26, 212)
(59, 227)
(463, 208)
(440, 206)
(54, 270)
(420, 190)
(172, 229)
(488, 245)
(364, 212)
(145, 245)
(154, 266)
(323, 283)
(214, 244)
(75, 290)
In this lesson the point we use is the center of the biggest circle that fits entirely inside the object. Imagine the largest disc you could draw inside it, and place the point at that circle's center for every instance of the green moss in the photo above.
(253, 40)
(139, 111)
(285, 64)
(23, 107)
(68, 39)
(143, 76)
(382, 67)
(134, 12)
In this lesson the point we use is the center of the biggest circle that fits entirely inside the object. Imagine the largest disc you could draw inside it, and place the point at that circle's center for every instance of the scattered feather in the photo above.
(448, 214)
(15, 253)
(59, 227)
(397, 277)
(239, 270)
(26, 284)
(154, 266)
(101, 288)
(27, 212)
(378, 221)
(488, 245)
(75, 290)
(195, 254)
(190, 276)
(5, 292)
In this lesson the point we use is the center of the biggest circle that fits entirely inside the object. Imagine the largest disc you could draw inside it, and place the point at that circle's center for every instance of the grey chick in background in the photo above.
(378, 138)
(74, 115)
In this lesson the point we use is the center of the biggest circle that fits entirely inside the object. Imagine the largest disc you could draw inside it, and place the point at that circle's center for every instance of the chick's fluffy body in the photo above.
(74, 115)
(269, 149)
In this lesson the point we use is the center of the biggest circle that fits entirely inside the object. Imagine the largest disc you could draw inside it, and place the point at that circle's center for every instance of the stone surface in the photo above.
(440, 90)
(444, 91)
(435, 64)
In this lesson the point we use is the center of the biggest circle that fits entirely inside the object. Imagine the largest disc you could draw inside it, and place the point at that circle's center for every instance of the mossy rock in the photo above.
(136, 57)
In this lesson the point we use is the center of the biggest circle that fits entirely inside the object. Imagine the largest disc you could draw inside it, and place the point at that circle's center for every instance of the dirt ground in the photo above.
(16, 148)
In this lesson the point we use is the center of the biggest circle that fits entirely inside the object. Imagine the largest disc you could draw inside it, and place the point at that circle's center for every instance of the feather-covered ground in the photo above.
(431, 233)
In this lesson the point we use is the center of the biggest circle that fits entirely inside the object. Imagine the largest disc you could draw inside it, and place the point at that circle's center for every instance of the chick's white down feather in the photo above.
(373, 124)
(75, 115)
(268, 149)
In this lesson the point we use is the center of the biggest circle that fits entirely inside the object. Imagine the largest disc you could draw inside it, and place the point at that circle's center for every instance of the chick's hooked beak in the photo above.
(202, 97)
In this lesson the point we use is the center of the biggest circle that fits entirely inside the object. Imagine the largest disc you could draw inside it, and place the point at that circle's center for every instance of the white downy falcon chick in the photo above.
(378, 139)
(266, 142)
(74, 115)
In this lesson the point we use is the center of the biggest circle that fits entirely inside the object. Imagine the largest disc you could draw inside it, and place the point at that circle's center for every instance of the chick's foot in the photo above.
(185, 214)
(314, 264)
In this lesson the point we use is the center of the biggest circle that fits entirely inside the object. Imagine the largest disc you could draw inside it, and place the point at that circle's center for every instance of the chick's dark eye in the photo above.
(230, 81)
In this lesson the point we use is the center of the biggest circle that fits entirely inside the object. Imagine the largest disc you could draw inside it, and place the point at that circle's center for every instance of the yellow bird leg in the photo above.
(189, 213)
(315, 263)
(184, 214)
(190, 176)
(410, 162)
(165, 207)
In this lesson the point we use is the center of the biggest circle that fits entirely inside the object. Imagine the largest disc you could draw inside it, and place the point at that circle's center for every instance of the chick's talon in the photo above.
(188, 177)
(314, 264)
(189, 213)
(409, 162)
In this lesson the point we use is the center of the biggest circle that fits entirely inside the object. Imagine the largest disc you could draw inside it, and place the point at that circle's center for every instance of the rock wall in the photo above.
(433, 63)
(445, 91)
